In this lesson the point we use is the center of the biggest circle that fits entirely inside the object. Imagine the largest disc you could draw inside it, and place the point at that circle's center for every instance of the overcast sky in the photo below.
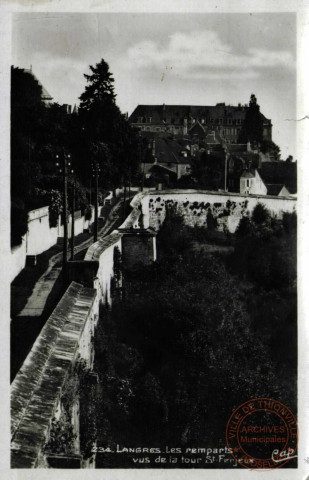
(193, 59)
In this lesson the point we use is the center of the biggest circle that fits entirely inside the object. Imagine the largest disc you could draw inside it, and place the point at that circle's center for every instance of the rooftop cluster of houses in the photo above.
(177, 133)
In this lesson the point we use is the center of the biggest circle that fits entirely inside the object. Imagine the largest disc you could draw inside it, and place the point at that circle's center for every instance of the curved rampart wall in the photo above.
(194, 205)
(103, 251)
(37, 388)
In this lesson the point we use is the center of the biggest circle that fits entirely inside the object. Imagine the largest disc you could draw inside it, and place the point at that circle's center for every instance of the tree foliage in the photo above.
(104, 132)
(207, 171)
(268, 146)
(182, 349)
(98, 133)
(265, 252)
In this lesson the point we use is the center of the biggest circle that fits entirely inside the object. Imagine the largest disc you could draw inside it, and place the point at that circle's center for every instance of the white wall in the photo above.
(40, 237)
(154, 209)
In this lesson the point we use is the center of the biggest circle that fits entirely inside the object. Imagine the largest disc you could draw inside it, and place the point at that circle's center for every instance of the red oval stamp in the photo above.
(262, 434)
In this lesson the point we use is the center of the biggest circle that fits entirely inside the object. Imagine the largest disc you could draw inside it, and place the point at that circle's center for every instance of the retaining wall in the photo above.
(193, 206)
(103, 252)
(36, 390)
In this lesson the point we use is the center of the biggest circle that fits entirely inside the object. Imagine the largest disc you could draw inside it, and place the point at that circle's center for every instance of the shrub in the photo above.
(244, 228)
(88, 213)
(211, 221)
(260, 214)
(289, 222)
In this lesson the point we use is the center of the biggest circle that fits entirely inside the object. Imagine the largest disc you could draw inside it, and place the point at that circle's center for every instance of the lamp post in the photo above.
(124, 198)
(95, 173)
(64, 164)
(140, 160)
(73, 218)
(227, 156)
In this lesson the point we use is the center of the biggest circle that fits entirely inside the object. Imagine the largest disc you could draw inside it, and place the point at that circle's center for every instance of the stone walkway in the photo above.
(37, 301)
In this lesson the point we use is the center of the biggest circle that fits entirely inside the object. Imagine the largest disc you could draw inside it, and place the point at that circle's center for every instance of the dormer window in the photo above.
(149, 119)
(139, 119)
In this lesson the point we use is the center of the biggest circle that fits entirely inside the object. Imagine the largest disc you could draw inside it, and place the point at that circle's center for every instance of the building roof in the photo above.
(197, 127)
(169, 150)
(274, 188)
(175, 114)
(161, 169)
(247, 174)
(45, 95)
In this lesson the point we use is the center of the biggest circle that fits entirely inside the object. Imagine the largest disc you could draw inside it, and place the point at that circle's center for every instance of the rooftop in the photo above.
(45, 95)
(274, 189)
(162, 114)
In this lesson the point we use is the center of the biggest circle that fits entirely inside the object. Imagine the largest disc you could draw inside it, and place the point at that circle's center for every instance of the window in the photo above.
(248, 183)
(229, 121)
(149, 119)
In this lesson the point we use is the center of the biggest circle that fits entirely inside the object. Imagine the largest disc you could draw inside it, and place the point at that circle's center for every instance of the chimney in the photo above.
(163, 107)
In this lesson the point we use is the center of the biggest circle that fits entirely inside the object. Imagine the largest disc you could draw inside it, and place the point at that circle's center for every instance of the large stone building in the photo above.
(225, 120)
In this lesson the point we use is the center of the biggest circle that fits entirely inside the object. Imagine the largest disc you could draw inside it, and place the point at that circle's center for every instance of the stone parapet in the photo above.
(36, 389)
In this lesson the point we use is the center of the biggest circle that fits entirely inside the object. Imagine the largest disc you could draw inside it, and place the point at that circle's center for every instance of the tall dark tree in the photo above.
(100, 86)
(26, 110)
(38, 132)
(102, 123)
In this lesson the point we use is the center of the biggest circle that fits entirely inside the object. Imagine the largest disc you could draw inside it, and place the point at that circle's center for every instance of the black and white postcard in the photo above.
(154, 165)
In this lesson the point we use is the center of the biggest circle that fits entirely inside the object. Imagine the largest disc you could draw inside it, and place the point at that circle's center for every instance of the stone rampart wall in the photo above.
(103, 251)
(194, 206)
(36, 390)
